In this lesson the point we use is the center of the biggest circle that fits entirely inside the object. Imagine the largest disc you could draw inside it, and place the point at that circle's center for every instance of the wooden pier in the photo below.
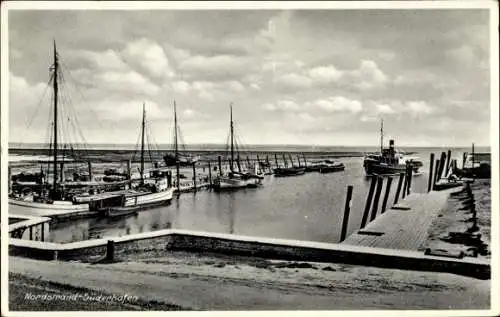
(405, 226)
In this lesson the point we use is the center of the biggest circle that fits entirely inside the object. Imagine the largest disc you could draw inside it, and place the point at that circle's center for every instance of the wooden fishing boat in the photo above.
(235, 179)
(331, 167)
(49, 197)
(289, 171)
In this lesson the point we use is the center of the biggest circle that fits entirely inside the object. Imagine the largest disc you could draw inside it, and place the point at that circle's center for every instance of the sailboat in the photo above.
(50, 198)
(235, 179)
(388, 160)
(183, 159)
(155, 190)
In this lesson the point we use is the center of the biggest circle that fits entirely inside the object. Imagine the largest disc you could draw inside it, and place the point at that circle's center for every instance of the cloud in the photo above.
(385, 108)
(282, 105)
(339, 104)
(220, 66)
(419, 107)
(325, 74)
(293, 81)
(368, 75)
(149, 57)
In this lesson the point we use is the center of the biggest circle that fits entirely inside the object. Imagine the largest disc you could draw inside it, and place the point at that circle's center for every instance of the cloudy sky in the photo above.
(322, 77)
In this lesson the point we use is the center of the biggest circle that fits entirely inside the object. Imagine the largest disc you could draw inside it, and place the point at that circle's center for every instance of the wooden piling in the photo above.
(464, 157)
(442, 161)
(298, 160)
(347, 210)
(284, 161)
(194, 176)
(368, 202)
(431, 166)
(398, 190)
(219, 160)
(410, 177)
(276, 160)
(472, 167)
(110, 251)
(238, 163)
(42, 238)
(448, 161)
(405, 183)
(376, 199)
(61, 171)
(89, 166)
(209, 174)
(386, 195)
(436, 173)
(31, 233)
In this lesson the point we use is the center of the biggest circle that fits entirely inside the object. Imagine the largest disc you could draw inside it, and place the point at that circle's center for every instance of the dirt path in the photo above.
(207, 282)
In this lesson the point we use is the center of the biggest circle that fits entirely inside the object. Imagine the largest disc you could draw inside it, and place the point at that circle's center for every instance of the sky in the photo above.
(319, 77)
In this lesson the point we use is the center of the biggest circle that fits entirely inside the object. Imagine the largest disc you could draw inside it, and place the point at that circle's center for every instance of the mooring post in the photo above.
(405, 184)
(276, 160)
(436, 173)
(110, 251)
(431, 166)
(347, 210)
(89, 166)
(398, 190)
(448, 161)
(62, 172)
(368, 202)
(386, 195)
(169, 178)
(380, 183)
(219, 160)
(410, 176)
(464, 157)
(441, 164)
(209, 174)
(194, 175)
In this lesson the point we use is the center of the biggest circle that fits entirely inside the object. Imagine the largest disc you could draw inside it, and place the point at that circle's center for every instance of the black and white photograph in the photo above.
(334, 157)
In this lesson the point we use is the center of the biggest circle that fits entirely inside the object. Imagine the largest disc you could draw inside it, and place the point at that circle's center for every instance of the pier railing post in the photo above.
(386, 195)
(376, 199)
(398, 190)
(410, 176)
(347, 209)
(110, 251)
(368, 202)
(431, 166)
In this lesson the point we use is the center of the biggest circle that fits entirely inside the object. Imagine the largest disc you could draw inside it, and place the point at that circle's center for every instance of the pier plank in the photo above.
(403, 229)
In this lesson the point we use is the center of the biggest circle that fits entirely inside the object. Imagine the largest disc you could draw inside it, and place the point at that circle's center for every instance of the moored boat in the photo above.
(331, 167)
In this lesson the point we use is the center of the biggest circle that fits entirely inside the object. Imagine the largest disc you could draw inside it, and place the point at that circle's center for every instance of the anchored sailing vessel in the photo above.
(183, 159)
(236, 179)
(47, 197)
(156, 190)
(389, 160)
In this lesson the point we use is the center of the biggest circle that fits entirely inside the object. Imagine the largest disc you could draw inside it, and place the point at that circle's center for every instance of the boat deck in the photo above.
(403, 229)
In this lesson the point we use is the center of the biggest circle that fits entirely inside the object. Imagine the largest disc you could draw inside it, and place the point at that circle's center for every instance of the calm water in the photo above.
(306, 207)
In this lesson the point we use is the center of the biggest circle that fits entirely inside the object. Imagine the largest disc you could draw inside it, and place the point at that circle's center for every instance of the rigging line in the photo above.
(96, 117)
(30, 122)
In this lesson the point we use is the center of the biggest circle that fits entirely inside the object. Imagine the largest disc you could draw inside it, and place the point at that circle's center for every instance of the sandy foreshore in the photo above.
(181, 280)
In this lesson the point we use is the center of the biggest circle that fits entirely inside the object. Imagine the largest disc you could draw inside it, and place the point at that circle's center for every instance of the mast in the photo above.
(176, 142)
(381, 135)
(232, 135)
(142, 142)
(56, 90)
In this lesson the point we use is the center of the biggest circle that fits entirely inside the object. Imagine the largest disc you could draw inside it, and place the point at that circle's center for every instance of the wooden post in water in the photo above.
(298, 160)
(209, 174)
(448, 160)
(110, 251)
(441, 165)
(194, 176)
(238, 163)
(405, 184)
(347, 210)
(386, 195)
(61, 171)
(276, 160)
(431, 166)
(89, 166)
(398, 190)
(380, 183)
(410, 177)
(464, 157)
(368, 201)
(219, 159)
(284, 160)
(436, 172)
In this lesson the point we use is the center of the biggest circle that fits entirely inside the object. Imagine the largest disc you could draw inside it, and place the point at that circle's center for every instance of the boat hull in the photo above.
(289, 171)
(46, 209)
(376, 168)
(227, 183)
(332, 169)
(133, 204)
